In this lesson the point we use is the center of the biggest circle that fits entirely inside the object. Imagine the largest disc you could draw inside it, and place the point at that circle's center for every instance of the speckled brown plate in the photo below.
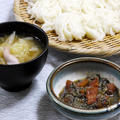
(109, 46)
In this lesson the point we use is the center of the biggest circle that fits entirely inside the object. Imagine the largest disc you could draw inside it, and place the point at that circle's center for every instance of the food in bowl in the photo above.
(15, 49)
(76, 19)
(79, 69)
(93, 92)
(17, 77)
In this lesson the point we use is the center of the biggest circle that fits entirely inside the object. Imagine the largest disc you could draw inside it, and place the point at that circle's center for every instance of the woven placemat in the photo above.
(109, 46)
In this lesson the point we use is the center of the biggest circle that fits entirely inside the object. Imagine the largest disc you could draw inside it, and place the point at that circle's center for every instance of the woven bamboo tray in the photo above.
(110, 45)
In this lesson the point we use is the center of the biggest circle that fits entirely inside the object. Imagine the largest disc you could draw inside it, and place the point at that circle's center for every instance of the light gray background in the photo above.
(33, 103)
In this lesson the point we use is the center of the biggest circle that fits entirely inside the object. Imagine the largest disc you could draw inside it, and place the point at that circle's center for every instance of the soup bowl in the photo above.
(79, 69)
(17, 77)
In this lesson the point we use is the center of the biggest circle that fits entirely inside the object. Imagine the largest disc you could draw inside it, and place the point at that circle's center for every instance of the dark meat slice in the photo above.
(68, 84)
(111, 87)
(95, 82)
(91, 95)
(83, 83)
(69, 88)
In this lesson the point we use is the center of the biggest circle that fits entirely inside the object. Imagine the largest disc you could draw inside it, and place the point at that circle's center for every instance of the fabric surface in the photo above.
(33, 103)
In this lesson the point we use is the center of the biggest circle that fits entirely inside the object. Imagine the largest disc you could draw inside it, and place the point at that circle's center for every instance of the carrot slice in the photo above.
(83, 83)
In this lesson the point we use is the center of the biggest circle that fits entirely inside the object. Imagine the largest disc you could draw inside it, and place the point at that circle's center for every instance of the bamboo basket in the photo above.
(108, 47)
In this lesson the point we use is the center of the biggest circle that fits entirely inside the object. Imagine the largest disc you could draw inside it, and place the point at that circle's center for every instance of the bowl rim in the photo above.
(53, 96)
(36, 27)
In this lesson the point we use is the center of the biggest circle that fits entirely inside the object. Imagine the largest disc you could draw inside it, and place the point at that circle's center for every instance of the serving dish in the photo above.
(78, 69)
(110, 46)
(19, 76)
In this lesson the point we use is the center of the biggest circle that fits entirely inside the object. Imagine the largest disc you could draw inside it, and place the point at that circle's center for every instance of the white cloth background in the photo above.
(33, 103)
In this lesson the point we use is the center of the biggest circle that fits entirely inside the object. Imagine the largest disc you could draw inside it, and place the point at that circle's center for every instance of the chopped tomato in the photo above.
(68, 83)
(95, 82)
(83, 83)
(91, 95)
(111, 87)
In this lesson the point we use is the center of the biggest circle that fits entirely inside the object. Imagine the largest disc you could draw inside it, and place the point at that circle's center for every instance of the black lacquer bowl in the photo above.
(19, 76)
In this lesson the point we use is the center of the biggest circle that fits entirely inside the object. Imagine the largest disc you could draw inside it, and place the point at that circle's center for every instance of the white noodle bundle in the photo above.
(74, 19)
